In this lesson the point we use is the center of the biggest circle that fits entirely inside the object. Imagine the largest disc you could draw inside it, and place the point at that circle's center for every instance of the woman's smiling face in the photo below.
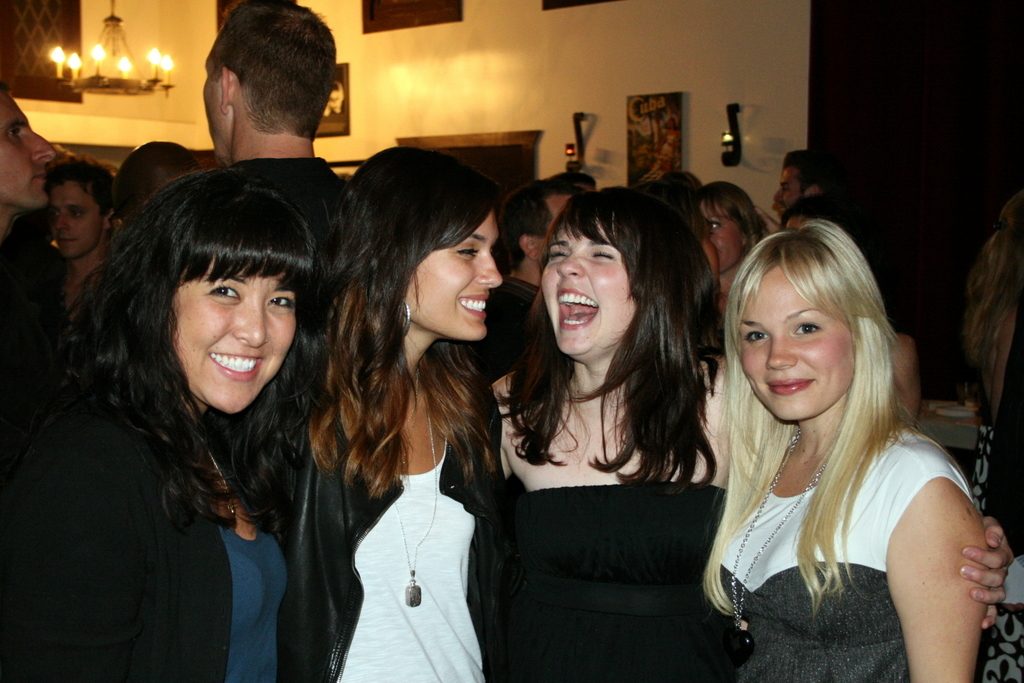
(587, 293)
(232, 337)
(799, 360)
(448, 294)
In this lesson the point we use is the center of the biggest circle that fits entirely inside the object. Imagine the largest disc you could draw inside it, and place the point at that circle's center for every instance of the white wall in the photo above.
(507, 66)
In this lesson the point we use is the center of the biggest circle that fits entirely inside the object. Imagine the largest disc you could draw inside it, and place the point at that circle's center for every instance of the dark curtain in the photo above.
(923, 102)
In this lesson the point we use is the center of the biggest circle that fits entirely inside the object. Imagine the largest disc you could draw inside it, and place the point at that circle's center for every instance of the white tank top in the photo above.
(435, 641)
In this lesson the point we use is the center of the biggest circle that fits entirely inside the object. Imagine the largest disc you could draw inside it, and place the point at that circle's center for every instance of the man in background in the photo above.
(806, 173)
(26, 363)
(80, 212)
(268, 78)
(525, 218)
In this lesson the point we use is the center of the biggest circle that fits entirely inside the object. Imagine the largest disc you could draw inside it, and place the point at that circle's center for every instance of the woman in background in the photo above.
(993, 336)
(736, 227)
(683, 198)
(137, 539)
(840, 541)
(398, 567)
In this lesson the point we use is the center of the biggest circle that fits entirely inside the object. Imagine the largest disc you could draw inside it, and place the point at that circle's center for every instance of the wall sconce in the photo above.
(575, 165)
(731, 139)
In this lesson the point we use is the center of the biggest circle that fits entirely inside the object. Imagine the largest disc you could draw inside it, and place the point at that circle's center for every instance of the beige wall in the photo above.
(507, 66)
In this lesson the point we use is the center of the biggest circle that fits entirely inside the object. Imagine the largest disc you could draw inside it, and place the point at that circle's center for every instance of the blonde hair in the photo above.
(994, 284)
(827, 269)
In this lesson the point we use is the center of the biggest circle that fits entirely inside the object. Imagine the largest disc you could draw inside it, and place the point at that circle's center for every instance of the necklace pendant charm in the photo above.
(413, 594)
(739, 644)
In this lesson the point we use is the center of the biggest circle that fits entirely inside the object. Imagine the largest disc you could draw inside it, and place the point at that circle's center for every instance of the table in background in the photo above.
(951, 432)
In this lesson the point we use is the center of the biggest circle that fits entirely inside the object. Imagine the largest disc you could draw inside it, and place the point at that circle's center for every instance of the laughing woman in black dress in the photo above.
(605, 426)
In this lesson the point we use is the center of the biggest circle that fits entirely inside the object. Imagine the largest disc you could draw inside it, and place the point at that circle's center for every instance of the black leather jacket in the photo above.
(321, 607)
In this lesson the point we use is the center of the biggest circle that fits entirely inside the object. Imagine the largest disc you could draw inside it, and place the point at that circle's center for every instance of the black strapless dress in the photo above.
(613, 587)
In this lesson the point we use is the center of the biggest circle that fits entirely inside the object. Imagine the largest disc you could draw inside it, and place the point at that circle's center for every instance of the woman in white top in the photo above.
(840, 543)
(396, 558)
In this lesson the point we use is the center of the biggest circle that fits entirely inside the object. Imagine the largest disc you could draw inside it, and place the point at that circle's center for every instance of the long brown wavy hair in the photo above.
(400, 206)
(994, 284)
(660, 375)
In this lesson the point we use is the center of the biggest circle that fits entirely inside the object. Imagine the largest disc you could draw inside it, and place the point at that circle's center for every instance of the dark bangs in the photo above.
(592, 216)
(228, 223)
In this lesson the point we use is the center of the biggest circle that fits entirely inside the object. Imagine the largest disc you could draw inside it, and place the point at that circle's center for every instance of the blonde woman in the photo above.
(839, 549)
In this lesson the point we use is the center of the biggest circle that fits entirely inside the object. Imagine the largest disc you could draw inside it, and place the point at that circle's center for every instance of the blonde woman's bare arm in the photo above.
(938, 617)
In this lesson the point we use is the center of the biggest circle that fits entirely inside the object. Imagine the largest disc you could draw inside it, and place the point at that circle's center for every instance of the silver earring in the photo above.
(408, 317)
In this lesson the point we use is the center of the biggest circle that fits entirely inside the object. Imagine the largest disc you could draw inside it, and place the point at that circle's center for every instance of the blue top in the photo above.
(258, 578)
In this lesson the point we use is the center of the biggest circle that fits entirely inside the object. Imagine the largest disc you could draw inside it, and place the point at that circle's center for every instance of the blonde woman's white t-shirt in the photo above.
(896, 477)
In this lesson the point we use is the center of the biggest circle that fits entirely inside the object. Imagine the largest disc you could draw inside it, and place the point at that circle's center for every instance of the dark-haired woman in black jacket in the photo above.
(137, 539)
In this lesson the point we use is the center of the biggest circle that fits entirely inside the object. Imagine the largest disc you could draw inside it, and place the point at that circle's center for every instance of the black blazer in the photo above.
(96, 584)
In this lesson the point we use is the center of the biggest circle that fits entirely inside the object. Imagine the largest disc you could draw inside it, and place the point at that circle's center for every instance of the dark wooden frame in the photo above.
(524, 144)
(559, 4)
(339, 124)
(222, 10)
(387, 15)
(39, 87)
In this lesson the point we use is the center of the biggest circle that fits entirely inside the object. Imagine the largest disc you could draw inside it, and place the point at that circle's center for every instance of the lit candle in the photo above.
(167, 64)
(58, 57)
(124, 66)
(75, 62)
(154, 59)
(99, 54)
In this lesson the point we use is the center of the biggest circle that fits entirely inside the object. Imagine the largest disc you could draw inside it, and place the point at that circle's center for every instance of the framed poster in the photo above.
(654, 135)
(386, 15)
(335, 120)
(558, 4)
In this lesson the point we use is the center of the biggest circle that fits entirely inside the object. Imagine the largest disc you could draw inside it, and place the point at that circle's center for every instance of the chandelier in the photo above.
(113, 56)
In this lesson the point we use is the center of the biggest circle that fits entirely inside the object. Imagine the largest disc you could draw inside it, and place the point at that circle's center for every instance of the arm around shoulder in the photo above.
(939, 620)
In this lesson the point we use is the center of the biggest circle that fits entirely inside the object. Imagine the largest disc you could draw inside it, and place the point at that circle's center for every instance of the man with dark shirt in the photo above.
(26, 364)
(268, 78)
(525, 219)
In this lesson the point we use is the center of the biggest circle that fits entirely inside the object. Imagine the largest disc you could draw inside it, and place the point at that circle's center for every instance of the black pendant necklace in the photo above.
(739, 644)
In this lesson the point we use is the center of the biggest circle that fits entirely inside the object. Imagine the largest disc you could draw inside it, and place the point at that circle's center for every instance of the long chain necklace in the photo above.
(227, 487)
(739, 642)
(413, 594)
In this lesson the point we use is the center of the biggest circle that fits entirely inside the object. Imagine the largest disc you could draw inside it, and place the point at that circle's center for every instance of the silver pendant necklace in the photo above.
(413, 594)
(739, 643)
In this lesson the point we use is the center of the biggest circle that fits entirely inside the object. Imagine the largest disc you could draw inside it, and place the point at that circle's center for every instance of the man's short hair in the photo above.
(95, 178)
(817, 167)
(577, 178)
(526, 213)
(283, 55)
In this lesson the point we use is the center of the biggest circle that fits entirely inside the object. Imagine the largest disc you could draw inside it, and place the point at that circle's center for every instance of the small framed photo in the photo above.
(559, 4)
(388, 15)
(336, 114)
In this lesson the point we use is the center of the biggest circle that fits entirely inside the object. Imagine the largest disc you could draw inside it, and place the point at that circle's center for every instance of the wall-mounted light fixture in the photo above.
(575, 165)
(731, 139)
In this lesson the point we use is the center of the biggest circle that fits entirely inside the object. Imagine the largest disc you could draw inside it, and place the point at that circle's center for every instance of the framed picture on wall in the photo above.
(558, 4)
(386, 15)
(654, 129)
(336, 120)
